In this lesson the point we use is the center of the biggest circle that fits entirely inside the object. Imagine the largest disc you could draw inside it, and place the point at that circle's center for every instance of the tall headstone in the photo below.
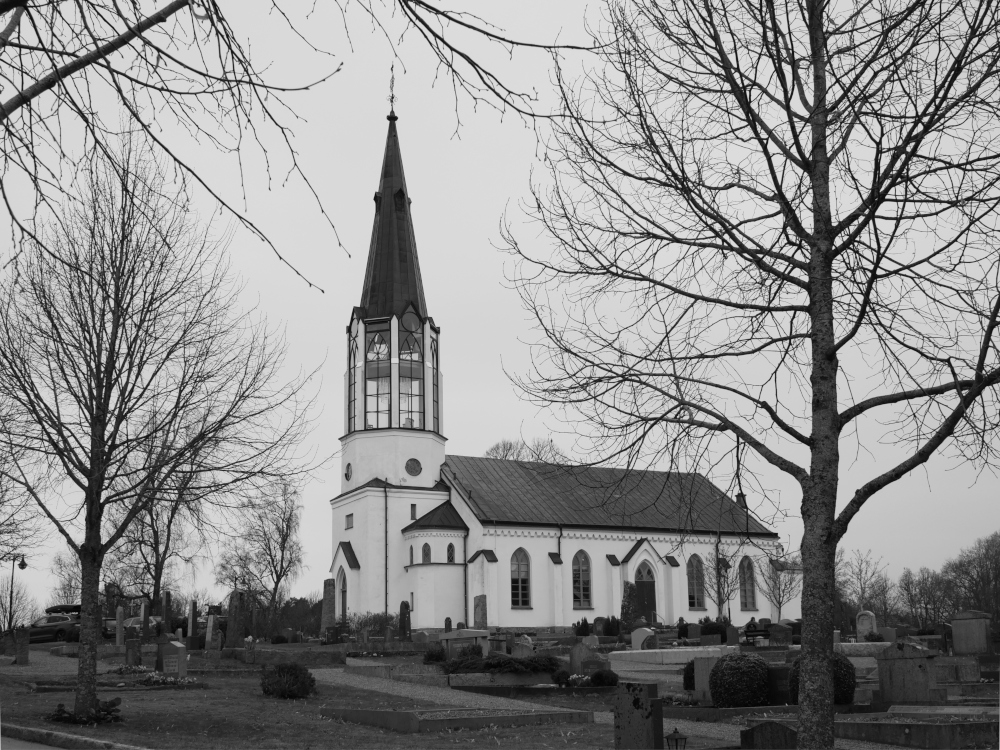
(866, 624)
(447, 624)
(22, 637)
(165, 611)
(161, 641)
(238, 618)
(193, 618)
(479, 612)
(702, 671)
(120, 626)
(328, 619)
(638, 716)
(144, 619)
(213, 636)
(404, 622)
(133, 652)
(970, 633)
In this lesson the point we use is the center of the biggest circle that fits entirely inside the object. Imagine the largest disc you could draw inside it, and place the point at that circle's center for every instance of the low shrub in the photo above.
(435, 654)
(604, 678)
(503, 664)
(613, 626)
(278, 639)
(561, 677)
(689, 675)
(874, 637)
(738, 680)
(844, 680)
(471, 651)
(287, 681)
(582, 627)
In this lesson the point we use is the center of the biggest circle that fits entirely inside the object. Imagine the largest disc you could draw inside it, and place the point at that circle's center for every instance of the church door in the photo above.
(645, 589)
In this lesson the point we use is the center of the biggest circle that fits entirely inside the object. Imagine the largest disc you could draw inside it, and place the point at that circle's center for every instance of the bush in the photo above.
(435, 654)
(471, 651)
(277, 639)
(376, 622)
(844, 680)
(604, 678)
(689, 675)
(287, 681)
(613, 626)
(874, 637)
(630, 604)
(582, 627)
(738, 680)
(502, 664)
(714, 628)
(561, 677)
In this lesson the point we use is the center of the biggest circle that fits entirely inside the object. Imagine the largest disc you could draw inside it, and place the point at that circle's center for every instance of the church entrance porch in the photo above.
(645, 589)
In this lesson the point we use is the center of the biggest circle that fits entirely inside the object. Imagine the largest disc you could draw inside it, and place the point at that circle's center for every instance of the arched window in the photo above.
(748, 592)
(425, 554)
(352, 363)
(581, 580)
(520, 579)
(411, 554)
(434, 363)
(451, 553)
(377, 377)
(411, 376)
(696, 582)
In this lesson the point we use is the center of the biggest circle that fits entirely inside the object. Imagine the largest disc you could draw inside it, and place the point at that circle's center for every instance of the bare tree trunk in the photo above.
(90, 629)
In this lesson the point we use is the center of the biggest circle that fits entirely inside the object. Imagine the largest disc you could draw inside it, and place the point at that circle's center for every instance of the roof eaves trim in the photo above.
(556, 558)
(352, 559)
(613, 560)
(488, 554)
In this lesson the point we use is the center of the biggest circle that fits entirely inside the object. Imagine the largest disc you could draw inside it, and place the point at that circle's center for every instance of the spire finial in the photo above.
(392, 94)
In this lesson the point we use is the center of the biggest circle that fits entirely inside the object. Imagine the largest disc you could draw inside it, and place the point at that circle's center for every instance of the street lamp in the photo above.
(10, 611)
(676, 740)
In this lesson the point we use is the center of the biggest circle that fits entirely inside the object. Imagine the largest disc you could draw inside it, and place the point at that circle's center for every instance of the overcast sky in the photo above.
(462, 178)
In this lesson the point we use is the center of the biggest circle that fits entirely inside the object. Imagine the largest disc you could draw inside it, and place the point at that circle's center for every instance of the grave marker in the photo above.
(22, 638)
(702, 671)
(591, 641)
(420, 636)
(779, 635)
(447, 624)
(970, 633)
(522, 651)
(328, 618)
(120, 626)
(866, 624)
(171, 659)
(639, 636)
(694, 631)
(638, 716)
(133, 652)
(906, 675)
(479, 612)
(404, 622)
(144, 615)
(577, 655)
(599, 624)
(769, 735)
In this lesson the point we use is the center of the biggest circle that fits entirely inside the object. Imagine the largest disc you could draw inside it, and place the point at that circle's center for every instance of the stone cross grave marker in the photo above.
(866, 624)
(479, 612)
(769, 735)
(120, 626)
(638, 716)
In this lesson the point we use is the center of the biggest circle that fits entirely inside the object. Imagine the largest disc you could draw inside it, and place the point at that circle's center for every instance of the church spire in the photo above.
(392, 279)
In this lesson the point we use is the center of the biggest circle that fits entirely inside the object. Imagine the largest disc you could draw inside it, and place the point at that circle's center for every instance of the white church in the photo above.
(545, 544)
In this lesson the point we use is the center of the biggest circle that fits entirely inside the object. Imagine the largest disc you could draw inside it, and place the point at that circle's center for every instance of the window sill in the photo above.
(514, 606)
(583, 608)
(748, 609)
(698, 609)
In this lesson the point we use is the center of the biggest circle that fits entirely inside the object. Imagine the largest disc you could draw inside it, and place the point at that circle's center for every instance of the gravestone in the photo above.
(161, 641)
(479, 612)
(711, 640)
(171, 659)
(165, 610)
(777, 684)
(8, 644)
(133, 652)
(866, 624)
(779, 635)
(600, 623)
(144, 619)
(192, 618)
(769, 735)
(120, 626)
(22, 638)
(591, 641)
(510, 643)
(214, 609)
(213, 636)
(420, 636)
(702, 671)
(363, 636)
(638, 716)
(404, 622)
(732, 636)
(589, 666)
(906, 675)
(888, 634)
(764, 623)
(970, 633)
(525, 640)
(461, 626)
(694, 631)
(179, 634)
(522, 651)
(390, 634)
(836, 636)
(447, 624)
(577, 655)
(328, 618)
(238, 618)
(639, 636)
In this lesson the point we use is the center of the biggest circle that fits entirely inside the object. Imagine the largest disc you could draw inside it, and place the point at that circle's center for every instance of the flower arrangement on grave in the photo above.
(129, 669)
(156, 679)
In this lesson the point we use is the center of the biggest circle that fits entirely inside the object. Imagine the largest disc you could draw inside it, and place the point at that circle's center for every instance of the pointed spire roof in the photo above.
(392, 281)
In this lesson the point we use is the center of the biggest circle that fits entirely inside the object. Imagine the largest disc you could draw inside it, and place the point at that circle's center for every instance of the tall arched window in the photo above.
(411, 554)
(434, 363)
(425, 554)
(352, 363)
(696, 582)
(581, 580)
(451, 553)
(748, 592)
(520, 579)
(377, 377)
(411, 374)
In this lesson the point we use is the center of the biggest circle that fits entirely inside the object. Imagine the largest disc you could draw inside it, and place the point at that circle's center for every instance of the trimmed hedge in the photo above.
(604, 678)
(503, 664)
(844, 680)
(738, 680)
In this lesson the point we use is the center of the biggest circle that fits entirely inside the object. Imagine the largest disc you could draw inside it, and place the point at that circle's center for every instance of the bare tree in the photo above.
(67, 572)
(910, 596)
(780, 580)
(120, 333)
(883, 597)
(542, 450)
(722, 576)
(25, 608)
(974, 576)
(862, 572)
(264, 555)
(751, 207)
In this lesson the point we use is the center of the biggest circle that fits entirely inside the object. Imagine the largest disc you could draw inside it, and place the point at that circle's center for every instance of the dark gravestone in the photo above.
(22, 638)
(133, 652)
(732, 636)
(161, 642)
(711, 640)
(479, 612)
(694, 631)
(447, 624)
(144, 619)
(777, 684)
(165, 612)
(638, 716)
(770, 735)
(510, 643)
(599, 625)
(404, 622)
(460, 626)
(577, 655)
(779, 635)
(238, 618)
(8, 644)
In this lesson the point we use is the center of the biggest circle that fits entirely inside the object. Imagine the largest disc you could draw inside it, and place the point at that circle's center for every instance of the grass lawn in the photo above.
(232, 713)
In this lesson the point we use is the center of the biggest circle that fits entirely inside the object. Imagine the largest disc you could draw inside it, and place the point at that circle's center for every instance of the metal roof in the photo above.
(392, 278)
(540, 494)
(443, 516)
(352, 559)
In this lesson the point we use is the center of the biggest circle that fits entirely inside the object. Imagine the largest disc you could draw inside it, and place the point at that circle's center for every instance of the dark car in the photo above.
(57, 627)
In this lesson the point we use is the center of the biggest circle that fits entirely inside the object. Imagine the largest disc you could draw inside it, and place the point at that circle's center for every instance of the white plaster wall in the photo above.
(382, 454)
(438, 593)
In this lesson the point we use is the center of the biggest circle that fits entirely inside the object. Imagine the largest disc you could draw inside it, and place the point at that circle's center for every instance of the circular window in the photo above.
(348, 473)
(413, 467)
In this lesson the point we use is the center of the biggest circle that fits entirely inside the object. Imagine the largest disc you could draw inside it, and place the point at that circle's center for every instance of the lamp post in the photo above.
(10, 609)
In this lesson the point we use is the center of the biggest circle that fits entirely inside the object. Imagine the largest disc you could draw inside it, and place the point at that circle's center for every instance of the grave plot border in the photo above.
(925, 736)
(528, 691)
(723, 715)
(409, 722)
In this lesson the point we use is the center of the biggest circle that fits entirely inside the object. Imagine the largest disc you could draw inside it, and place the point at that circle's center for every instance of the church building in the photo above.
(502, 543)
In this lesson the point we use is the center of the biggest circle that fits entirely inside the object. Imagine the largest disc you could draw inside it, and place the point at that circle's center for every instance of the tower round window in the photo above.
(410, 322)
(348, 473)
(413, 467)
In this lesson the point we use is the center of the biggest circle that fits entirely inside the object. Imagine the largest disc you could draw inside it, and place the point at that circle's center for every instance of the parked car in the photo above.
(109, 627)
(56, 627)
(136, 622)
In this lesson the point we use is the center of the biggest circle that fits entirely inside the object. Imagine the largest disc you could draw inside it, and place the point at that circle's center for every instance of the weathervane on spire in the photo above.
(392, 93)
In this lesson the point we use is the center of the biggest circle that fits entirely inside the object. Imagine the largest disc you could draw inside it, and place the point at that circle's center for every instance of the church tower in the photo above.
(393, 385)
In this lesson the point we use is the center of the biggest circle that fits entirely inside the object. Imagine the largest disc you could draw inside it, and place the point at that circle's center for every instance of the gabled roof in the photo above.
(352, 559)
(392, 278)
(487, 554)
(540, 494)
(443, 516)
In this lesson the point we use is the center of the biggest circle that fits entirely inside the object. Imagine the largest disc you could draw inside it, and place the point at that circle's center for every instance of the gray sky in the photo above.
(462, 180)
